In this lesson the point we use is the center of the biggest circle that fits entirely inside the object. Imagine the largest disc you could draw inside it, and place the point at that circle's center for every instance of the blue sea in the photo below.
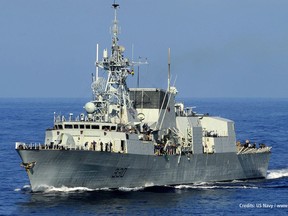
(260, 120)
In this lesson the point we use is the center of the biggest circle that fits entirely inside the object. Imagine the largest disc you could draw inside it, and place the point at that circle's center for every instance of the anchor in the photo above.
(28, 166)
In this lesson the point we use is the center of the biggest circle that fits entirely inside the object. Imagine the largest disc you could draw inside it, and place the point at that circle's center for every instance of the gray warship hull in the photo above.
(112, 170)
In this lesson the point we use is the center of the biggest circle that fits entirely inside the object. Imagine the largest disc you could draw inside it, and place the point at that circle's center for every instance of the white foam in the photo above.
(195, 186)
(149, 184)
(275, 174)
(202, 183)
(130, 189)
(214, 187)
(24, 188)
(66, 189)
(238, 181)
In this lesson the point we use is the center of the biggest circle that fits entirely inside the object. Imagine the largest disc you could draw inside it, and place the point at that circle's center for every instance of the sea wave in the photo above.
(236, 184)
(200, 185)
(24, 188)
(64, 189)
(275, 174)
(51, 189)
(130, 189)
(215, 187)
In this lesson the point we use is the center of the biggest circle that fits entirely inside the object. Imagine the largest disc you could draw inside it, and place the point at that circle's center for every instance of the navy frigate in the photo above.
(137, 137)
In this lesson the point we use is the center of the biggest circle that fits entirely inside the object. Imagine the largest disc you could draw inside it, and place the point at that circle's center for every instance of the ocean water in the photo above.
(260, 120)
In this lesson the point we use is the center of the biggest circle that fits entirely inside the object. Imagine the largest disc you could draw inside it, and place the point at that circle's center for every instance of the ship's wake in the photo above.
(64, 189)
(226, 185)
(73, 190)
(50, 189)
(25, 188)
(236, 184)
(275, 174)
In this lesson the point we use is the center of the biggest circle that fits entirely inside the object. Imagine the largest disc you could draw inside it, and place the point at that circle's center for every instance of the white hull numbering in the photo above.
(138, 137)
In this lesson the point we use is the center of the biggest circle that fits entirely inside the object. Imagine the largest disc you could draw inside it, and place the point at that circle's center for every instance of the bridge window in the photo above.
(76, 126)
(95, 126)
(105, 127)
(68, 126)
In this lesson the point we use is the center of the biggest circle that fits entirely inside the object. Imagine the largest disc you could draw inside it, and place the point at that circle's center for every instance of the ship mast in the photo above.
(169, 65)
(116, 94)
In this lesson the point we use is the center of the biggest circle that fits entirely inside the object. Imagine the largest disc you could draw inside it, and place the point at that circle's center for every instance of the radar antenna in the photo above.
(112, 95)
(115, 5)
(98, 86)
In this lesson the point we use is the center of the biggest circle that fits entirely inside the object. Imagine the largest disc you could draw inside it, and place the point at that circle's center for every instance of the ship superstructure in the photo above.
(137, 137)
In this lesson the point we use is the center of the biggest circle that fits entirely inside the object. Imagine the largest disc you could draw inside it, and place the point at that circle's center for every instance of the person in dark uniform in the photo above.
(101, 146)
(110, 146)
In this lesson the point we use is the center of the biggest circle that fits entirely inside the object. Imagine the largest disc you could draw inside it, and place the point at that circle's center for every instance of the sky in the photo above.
(219, 48)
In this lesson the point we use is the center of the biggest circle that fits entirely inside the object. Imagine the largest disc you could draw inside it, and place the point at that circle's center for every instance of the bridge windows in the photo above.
(68, 126)
(95, 127)
(87, 126)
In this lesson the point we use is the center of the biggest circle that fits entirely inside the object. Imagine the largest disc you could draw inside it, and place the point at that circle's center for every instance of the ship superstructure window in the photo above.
(106, 127)
(95, 126)
(113, 128)
(81, 126)
(76, 126)
(68, 126)
(58, 127)
(88, 126)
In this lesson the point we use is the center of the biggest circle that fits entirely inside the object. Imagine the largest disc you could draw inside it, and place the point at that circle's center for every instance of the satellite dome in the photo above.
(90, 107)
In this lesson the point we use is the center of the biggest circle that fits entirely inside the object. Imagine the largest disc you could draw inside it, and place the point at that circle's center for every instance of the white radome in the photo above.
(90, 107)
